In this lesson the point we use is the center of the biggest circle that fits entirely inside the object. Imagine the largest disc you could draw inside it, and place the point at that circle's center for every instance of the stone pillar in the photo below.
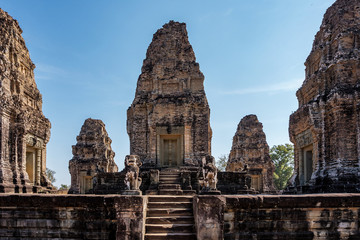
(6, 184)
(130, 217)
(187, 144)
(209, 217)
(21, 152)
(38, 167)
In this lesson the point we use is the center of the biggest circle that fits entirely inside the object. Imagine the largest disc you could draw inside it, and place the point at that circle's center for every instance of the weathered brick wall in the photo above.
(323, 216)
(70, 217)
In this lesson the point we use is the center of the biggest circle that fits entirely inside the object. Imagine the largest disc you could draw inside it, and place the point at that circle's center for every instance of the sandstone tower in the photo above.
(92, 154)
(326, 128)
(24, 130)
(250, 150)
(168, 121)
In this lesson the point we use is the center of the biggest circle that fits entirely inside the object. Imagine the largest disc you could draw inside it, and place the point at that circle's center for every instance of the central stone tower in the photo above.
(169, 120)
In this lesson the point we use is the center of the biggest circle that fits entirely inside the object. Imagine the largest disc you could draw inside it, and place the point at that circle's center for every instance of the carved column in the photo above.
(5, 170)
(38, 167)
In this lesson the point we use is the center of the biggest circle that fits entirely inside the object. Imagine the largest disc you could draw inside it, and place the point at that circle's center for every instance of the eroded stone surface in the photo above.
(24, 130)
(250, 151)
(168, 121)
(92, 154)
(325, 129)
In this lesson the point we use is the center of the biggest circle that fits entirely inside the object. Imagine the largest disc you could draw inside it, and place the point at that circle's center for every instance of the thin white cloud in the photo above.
(271, 89)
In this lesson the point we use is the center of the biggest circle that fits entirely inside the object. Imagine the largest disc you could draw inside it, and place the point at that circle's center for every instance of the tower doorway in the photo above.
(171, 150)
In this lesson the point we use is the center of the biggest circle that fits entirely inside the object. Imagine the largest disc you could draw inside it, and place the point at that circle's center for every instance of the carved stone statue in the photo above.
(209, 171)
(132, 168)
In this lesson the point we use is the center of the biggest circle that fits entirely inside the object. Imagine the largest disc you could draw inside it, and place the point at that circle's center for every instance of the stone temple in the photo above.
(92, 155)
(169, 129)
(251, 151)
(325, 129)
(24, 130)
(170, 187)
(168, 121)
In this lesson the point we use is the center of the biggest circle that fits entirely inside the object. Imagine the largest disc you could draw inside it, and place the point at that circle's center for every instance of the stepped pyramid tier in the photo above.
(325, 129)
(250, 152)
(169, 120)
(92, 154)
(24, 130)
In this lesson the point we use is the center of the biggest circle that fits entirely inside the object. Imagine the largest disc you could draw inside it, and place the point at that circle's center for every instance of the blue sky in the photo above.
(88, 56)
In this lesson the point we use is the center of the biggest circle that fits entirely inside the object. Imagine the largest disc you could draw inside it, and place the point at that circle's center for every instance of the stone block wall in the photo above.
(316, 216)
(322, 216)
(70, 217)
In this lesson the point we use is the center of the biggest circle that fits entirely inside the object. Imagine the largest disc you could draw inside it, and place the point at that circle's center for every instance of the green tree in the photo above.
(221, 163)
(283, 158)
(50, 175)
(64, 187)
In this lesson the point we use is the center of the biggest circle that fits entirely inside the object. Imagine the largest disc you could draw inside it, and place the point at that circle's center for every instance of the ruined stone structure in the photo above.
(305, 217)
(326, 128)
(169, 129)
(168, 121)
(168, 125)
(92, 155)
(250, 152)
(24, 131)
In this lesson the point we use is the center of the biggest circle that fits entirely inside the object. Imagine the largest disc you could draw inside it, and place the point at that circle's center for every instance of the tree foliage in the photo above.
(283, 158)
(221, 163)
(64, 187)
(50, 175)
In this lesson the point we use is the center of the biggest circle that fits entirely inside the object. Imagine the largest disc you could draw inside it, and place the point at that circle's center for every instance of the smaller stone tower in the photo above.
(250, 151)
(92, 154)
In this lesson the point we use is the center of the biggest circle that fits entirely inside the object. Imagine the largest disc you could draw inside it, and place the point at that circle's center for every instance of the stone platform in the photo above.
(317, 216)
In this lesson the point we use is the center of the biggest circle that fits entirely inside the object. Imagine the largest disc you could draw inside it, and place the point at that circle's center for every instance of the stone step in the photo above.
(169, 182)
(170, 205)
(170, 236)
(169, 186)
(171, 219)
(151, 192)
(167, 179)
(167, 228)
(170, 192)
(170, 199)
(169, 175)
(165, 212)
(189, 192)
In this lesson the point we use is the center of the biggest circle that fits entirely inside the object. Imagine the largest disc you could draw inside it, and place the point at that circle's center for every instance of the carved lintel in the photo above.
(304, 139)
(33, 141)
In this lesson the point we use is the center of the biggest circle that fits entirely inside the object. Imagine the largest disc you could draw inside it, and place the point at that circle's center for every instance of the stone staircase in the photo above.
(169, 182)
(169, 217)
